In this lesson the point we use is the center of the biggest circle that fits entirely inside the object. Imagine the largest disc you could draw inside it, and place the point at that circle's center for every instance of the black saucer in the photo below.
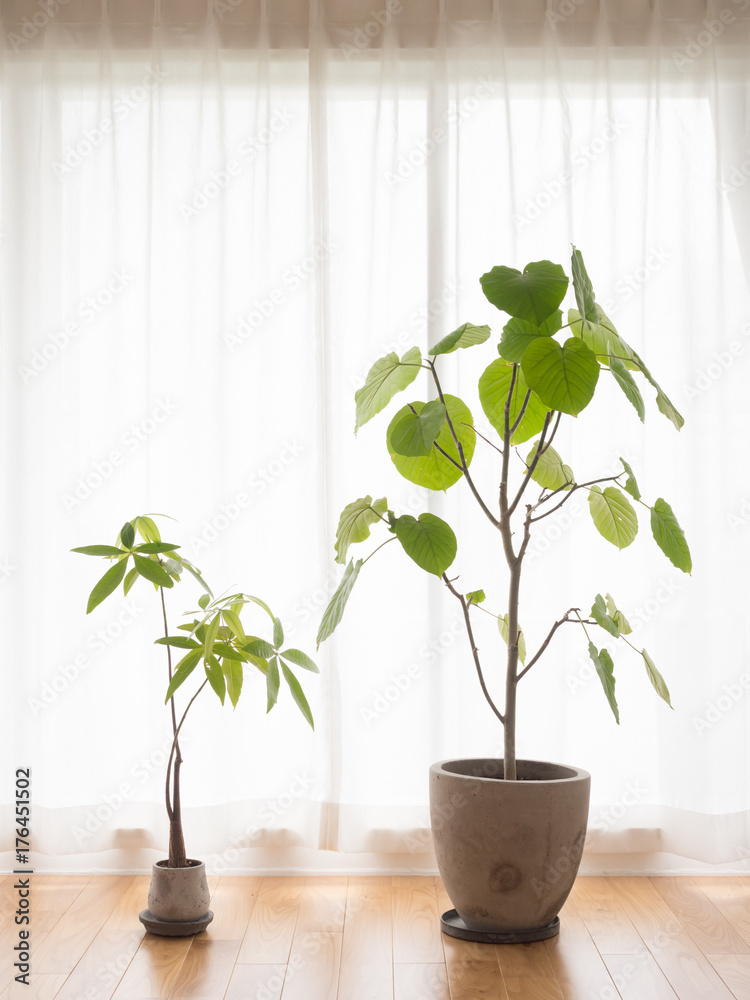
(453, 925)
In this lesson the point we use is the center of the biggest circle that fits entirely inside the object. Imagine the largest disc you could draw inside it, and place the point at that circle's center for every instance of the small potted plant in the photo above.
(216, 639)
(511, 823)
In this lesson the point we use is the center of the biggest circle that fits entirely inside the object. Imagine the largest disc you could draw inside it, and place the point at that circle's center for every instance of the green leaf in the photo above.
(663, 403)
(618, 617)
(475, 597)
(601, 337)
(669, 536)
(435, 471)
(272, 683)
(602, 618)
(234, 675)
(386, 377)
(154, 548)
(429, 541)
(550, 471)
(298, 694)
(212, 631)
(355, 521)
(631, 486)
(259, 662)
(658, 682)
(564, 377)
(181, 641)
(465, 336)
(184, 669)
(415, 433)
(335, 610)
(147, 529)
(613, 515)
(203, 601)
(215, 677)
(300, 659)
(502, 624)
(259, 647)
(152, 571)
(278, 633)
(582, 287)
(99, 550)
(627, 383)
(519, 333)
(196, 573)
(224, 649)
(234, 623)
(130, 578)
(494, 386)
(532, 295)
(249, 599)
(605, 669)
(127, 535)
(109, 582)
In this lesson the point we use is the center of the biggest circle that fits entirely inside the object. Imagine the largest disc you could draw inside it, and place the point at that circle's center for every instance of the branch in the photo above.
(177, 732)
(459, 447)
(577, 486)
(485, 439)
(546, 642)
(552, 435)
(170, 811)
(530, 470)
(521, 412)
(474, 650)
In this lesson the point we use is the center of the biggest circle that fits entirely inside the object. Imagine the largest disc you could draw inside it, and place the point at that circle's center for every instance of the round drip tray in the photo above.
(453, 925)
(174, 928)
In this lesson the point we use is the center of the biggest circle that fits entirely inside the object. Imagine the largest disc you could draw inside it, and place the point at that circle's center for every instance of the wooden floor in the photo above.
(378, 938)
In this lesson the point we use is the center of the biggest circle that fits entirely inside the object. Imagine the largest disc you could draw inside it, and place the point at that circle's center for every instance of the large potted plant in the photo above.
(215, 638)
(509, 833)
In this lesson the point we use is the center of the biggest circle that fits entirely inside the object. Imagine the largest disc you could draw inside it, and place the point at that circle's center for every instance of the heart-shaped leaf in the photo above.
(428, 540)
(532, 295)
(465, 336)
(494, 386)
(564, 377)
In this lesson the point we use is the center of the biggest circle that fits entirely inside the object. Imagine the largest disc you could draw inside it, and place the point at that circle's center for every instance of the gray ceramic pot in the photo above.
(178, 900)
(508, 851)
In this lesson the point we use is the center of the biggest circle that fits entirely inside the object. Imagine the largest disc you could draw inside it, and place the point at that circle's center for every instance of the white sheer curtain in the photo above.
(213, 221)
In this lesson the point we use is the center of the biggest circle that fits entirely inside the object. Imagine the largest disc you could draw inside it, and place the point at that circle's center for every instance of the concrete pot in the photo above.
(178, 900)
(508, 851)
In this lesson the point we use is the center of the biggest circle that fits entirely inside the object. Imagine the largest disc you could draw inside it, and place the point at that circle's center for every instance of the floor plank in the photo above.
(314, 964)
(269, 934)
(102, 965)
(253, 981)
(66, 942)
(690, 974)
(705, 924)
(731, 896)
(575, 959)
(527, 972)
(608, 924)
(423, 981)
(154, 969)
(474, 980)
(735, 971)
(416, 924)
(367, 948)
(638, 977)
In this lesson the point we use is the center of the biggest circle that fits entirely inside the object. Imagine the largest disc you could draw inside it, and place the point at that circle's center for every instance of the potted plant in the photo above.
(215, 638)
(509, 833)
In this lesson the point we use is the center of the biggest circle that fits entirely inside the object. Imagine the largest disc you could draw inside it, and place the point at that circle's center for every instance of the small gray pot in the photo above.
(178, 900)
(508, 851)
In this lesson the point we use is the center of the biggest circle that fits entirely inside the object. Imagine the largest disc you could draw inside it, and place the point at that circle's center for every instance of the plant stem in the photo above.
(178, 859)
(474, 650)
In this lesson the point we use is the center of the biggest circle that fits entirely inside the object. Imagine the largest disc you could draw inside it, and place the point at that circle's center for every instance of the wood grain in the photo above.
(269, 934)
(378, 938)
(416, 923)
